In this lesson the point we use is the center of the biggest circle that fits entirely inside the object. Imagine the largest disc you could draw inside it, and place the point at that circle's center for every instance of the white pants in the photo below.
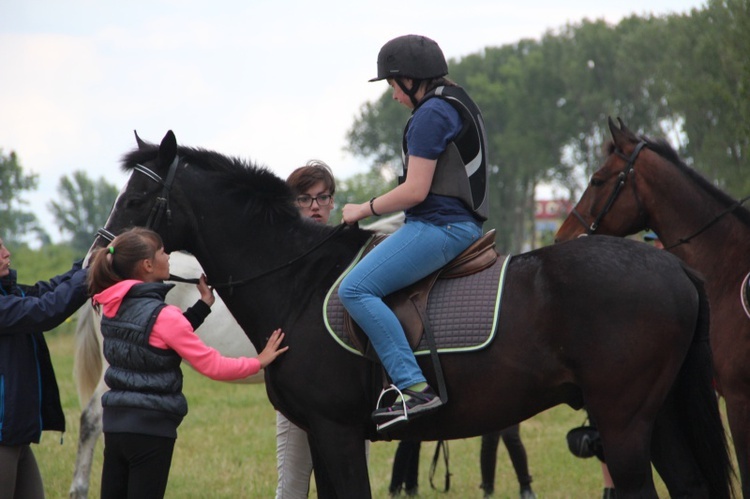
(293, 459)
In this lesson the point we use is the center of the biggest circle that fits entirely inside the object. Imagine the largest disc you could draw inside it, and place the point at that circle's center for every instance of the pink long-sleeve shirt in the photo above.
(172, 330)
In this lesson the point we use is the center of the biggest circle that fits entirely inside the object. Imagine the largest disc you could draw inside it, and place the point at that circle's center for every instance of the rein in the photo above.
(162, 206)
(231, 283)
(728, 210)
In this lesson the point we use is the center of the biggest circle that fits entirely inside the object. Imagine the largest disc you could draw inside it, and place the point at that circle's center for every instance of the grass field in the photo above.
(226, 448)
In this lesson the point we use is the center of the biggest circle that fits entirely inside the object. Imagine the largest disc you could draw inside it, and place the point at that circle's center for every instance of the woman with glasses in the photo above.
(313, 187)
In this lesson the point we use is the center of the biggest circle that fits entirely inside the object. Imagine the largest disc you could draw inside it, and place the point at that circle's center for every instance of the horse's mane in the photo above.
(664, 149)
(258, 189)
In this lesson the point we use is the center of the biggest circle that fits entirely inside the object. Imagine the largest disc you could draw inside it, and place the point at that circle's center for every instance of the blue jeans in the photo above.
(412, 252)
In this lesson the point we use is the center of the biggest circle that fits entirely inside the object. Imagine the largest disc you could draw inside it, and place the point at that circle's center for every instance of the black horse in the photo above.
(603, 321)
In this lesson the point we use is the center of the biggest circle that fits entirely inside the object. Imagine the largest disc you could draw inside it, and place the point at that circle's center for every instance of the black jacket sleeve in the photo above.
(197, 314)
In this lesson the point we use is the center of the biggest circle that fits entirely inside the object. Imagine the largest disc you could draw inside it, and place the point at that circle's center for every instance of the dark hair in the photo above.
(434, 83)
(118, 261)
(314, 171)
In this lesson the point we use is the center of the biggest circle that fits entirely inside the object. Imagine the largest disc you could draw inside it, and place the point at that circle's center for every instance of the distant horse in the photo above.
(219, 330)
(573, 328)
(643, 184)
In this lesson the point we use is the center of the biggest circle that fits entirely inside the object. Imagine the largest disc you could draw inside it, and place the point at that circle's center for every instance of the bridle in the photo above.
(621, 178)
(161, 206)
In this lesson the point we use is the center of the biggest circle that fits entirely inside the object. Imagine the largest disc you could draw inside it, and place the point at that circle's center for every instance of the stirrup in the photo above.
(398, 418)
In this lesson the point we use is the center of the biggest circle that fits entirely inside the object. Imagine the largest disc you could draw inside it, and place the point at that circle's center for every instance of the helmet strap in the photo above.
(411, 92)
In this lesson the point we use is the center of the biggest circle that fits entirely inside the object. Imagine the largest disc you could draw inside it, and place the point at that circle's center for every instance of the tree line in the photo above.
(79, 211)
(684, 77)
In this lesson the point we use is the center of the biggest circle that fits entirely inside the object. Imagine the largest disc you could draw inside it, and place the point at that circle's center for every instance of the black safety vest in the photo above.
(462, 169)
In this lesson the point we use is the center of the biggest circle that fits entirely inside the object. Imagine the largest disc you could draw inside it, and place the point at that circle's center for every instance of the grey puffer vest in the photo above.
(144, 381)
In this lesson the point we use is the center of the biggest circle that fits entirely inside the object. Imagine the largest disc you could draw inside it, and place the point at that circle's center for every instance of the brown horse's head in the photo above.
(611, 203)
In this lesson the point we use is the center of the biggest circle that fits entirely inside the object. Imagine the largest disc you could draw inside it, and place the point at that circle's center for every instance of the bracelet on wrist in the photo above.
(372, 208)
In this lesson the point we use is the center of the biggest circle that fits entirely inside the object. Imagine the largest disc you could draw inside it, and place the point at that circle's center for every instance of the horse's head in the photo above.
(206, 203)
(611, 203)
(152, 197)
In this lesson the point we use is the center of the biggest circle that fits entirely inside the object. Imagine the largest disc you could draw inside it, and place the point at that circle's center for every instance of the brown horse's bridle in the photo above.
(629, 168)
(621, 177)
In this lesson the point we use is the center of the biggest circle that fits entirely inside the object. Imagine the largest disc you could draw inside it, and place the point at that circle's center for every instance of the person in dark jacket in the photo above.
(29, 396)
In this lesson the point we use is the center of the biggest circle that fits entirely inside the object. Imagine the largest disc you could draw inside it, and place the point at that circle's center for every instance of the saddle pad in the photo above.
(462, 311)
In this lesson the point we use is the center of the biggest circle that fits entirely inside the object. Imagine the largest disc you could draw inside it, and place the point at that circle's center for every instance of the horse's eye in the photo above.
(596, 182)
(133, 201)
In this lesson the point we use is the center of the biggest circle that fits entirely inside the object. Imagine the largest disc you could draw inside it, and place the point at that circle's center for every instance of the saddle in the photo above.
(410, 303)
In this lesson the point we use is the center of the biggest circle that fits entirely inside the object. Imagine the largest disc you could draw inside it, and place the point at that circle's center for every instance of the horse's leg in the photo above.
(339, 461)
(673, 457)
(628, 460)
(625, 421)
(91, 428)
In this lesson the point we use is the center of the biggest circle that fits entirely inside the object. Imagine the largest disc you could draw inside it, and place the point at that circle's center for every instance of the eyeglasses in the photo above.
(305, 201)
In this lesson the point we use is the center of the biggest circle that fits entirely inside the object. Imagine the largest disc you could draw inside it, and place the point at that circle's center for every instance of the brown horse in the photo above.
(573, 328)
(643, 184)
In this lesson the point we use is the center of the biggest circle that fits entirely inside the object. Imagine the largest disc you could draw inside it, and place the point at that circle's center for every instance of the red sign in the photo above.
(552, 209)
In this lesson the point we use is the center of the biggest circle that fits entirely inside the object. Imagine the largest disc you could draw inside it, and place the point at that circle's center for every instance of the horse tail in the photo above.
(87, 364)
(701, 422)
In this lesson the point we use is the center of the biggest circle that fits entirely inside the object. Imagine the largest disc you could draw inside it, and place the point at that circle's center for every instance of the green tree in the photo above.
(83, 207)
(377, 130)
(15, 222)
(361, 187)
(710, 78)
(41, 264)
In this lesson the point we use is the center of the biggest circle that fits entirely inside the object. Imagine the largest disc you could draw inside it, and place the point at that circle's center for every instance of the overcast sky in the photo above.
(277, 82)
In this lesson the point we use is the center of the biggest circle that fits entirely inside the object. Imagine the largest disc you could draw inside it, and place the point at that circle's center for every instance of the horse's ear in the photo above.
(139, 141)
(168, 149)
(625, 129)
(619, 135)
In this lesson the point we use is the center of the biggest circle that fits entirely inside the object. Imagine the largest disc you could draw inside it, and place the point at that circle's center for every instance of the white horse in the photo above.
(219, 331)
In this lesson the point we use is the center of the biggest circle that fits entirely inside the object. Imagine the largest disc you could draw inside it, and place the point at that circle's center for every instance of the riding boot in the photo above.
(609, 493)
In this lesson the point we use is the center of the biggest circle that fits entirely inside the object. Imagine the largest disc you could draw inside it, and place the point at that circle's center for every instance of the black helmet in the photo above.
(411, 56)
